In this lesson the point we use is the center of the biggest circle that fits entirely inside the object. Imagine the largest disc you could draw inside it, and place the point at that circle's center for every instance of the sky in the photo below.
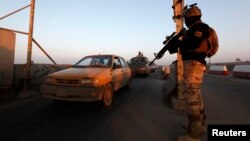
(69, 30)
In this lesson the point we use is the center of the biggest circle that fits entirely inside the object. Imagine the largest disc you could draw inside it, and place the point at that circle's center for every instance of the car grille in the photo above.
(67, 81)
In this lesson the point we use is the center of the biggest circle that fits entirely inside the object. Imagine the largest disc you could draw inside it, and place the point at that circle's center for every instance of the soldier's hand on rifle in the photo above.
(167, 39)
(181, 33)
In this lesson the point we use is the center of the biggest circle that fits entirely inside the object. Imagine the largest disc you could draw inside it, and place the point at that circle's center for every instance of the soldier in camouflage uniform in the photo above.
(194, 65)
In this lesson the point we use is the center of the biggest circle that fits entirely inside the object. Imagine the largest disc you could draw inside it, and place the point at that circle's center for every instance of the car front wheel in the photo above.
(108, 95)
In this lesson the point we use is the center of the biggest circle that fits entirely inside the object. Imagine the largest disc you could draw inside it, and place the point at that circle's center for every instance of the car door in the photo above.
(117, 74)
(126, 72)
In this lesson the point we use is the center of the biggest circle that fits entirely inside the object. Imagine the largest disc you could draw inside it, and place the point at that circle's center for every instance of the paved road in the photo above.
(139, 113)
(227, 99)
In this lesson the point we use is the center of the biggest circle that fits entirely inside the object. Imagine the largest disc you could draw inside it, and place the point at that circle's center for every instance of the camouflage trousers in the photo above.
(193, 74)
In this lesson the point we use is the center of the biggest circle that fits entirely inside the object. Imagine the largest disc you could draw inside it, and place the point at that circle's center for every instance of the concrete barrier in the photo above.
(38, 73)
(166, 72)
(218, 69)
(242, 71)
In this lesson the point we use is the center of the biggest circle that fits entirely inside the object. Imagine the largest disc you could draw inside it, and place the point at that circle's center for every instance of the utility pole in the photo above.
(180, 103)
(26, 79)
(29, 52)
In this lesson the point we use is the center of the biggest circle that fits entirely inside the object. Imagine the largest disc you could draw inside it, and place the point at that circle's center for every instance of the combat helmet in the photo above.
(192, 11)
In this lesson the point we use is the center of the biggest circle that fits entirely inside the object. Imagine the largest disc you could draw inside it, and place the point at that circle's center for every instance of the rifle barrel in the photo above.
(152, 62)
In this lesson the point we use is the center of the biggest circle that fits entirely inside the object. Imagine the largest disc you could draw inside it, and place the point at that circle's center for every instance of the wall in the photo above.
(7, 51)
(38, 73)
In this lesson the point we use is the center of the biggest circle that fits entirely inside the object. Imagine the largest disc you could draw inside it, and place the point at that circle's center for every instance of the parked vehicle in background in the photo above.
(139, 65)
(93, 78)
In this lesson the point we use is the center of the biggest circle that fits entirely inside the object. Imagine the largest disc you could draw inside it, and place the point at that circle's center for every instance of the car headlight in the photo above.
(88, 81)
(49, 80)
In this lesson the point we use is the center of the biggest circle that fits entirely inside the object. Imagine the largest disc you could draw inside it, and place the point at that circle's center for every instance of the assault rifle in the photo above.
(168, 43)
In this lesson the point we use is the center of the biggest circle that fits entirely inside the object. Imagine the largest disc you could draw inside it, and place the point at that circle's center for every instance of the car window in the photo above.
(123, 63)
(84, 62)
(139, 61)
(95, 61)
(117, 62)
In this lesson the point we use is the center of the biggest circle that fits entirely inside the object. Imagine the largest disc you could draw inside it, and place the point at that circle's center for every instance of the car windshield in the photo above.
(139, 61)
(95, 61)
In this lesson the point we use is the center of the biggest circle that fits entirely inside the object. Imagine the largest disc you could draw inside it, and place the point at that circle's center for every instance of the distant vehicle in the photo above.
(139, 65)
(93, 78)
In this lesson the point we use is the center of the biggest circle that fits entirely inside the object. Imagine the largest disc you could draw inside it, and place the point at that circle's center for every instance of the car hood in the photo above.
(89, 72)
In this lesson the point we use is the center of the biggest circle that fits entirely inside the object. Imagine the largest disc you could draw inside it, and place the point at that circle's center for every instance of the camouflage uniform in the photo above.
(194, 64)
(193, 73)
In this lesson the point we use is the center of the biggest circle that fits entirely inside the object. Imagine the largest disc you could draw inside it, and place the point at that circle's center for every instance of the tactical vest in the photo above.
(209, 46)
